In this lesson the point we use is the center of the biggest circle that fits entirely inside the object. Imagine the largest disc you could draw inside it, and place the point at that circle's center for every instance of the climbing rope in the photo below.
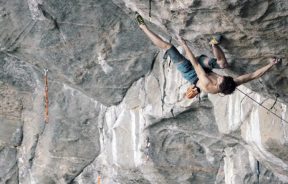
(269, 110)
(46, 95)
(150, 9)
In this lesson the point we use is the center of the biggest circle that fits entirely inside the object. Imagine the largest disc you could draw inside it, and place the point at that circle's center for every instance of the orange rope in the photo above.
(46, 95)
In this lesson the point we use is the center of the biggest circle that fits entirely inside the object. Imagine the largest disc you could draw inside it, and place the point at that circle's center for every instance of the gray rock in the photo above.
(8, 165)
(116, 108)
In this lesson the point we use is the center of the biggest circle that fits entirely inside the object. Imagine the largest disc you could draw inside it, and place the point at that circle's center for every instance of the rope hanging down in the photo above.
(46, 95)
(150, 2)
(263, 106)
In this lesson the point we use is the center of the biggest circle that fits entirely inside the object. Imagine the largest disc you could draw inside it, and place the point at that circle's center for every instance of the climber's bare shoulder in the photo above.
(210, 85)
(209, 88)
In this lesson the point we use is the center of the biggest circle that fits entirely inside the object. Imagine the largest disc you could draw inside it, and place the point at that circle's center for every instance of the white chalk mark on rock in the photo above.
(105, 67)
(35, 12)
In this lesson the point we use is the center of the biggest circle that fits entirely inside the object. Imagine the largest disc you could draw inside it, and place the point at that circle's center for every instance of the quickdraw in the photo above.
(46, 95)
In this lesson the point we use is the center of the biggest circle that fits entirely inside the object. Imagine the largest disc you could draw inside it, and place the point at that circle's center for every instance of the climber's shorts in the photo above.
(185, 66)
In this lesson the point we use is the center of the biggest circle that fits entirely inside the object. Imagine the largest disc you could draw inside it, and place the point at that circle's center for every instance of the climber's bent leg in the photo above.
(219, 54)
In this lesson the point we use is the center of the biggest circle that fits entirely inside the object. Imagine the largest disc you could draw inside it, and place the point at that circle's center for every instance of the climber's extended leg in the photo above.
(151, 35)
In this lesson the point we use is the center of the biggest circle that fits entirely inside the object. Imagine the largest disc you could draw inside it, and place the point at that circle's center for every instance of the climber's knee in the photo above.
(221, 64)
(174, 54)
(218, 64)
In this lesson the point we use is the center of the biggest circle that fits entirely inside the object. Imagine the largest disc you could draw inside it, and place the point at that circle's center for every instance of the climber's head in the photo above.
(227, 85)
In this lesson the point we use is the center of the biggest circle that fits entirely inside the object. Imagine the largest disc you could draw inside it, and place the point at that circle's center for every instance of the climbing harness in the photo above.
(269, 110)
(46, 95)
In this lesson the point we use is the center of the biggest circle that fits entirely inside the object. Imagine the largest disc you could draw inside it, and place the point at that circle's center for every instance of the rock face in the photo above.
(116, 108)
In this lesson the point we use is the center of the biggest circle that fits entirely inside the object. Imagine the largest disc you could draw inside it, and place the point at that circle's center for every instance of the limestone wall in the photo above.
(116, 107)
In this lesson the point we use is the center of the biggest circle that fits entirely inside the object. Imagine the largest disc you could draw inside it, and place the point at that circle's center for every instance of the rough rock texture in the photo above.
(116, 108)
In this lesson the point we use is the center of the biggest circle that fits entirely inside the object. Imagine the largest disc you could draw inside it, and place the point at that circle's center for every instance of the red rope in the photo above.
(46, 96)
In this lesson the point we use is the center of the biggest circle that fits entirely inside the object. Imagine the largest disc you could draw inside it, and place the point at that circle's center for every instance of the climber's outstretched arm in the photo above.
(256, 74)
(198, 68)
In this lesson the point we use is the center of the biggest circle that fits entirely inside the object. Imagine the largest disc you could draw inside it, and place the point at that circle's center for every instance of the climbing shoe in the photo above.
(215, 40)
(139, 19)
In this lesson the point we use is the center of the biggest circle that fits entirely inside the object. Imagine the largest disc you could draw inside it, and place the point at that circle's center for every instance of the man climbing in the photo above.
(198, 70)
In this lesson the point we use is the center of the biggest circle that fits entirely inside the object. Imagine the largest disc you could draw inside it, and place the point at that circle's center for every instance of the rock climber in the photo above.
(198, 70)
